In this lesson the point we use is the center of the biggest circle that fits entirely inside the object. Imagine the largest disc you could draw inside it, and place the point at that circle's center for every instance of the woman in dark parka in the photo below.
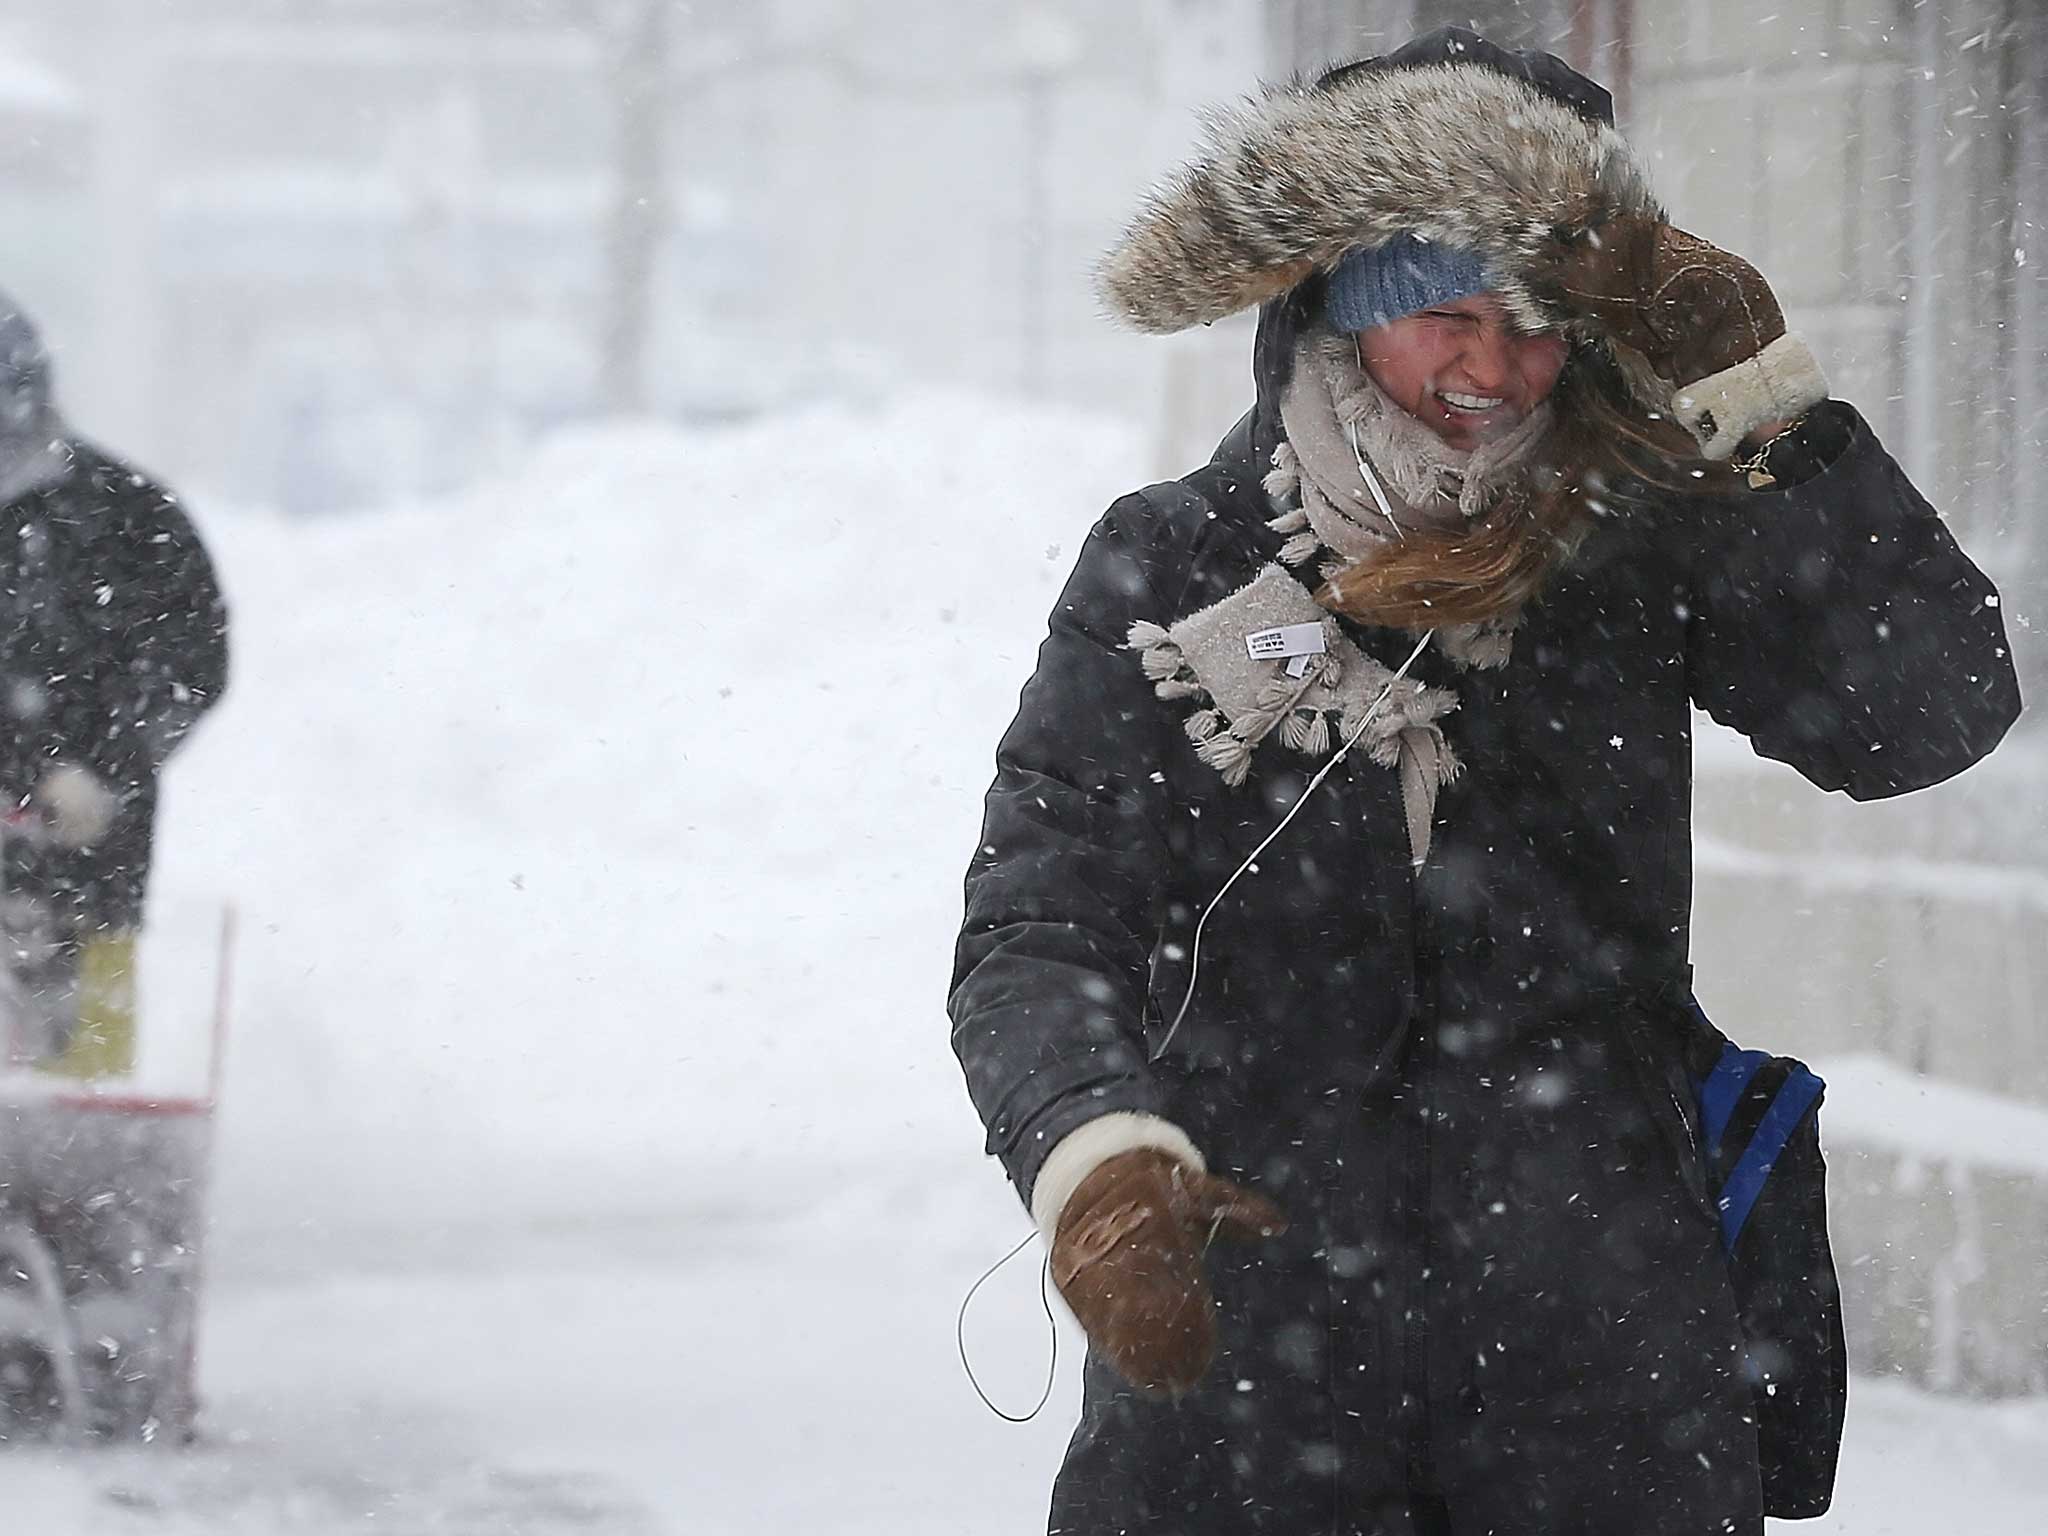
(1435, 1066)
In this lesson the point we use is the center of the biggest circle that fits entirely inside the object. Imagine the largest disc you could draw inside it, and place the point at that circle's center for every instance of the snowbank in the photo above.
(597, 833)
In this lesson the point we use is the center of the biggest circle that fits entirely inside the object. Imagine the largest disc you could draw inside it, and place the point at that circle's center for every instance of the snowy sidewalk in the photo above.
(712, 1377)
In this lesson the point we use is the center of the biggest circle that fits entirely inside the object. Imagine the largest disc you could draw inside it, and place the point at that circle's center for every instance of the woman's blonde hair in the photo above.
(1604, 446)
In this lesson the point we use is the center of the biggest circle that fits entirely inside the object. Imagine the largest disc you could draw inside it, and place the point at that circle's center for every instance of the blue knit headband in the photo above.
(1373, 286)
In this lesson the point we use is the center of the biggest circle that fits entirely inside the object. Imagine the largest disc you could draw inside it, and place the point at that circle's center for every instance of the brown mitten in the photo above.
(1127, 1256)
(1690, 308)
(1698, 315)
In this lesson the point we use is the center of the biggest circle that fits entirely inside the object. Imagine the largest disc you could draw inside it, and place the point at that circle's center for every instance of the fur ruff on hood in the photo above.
(1295, 178)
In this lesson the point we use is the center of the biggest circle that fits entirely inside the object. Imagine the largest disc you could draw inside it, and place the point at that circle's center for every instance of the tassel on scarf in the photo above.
(1280, 694)
(1308, 730)
(1299, 548)
(1283, 481)
(1161, 662)
(1318, 734)
(1228, 756)
(1164, 663)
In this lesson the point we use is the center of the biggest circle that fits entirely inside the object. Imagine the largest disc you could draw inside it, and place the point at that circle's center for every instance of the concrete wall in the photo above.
(326, 254)
(1878, 161)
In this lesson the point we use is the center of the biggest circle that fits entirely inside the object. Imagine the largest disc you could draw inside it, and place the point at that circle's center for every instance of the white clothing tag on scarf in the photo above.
(1297, 640)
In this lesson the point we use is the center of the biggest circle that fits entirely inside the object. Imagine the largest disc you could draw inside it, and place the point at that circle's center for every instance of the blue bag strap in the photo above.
(1739, 1193)
(1722, 1091)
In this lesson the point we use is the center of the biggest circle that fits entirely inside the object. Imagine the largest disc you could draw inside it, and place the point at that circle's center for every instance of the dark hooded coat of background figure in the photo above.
(113, 643)
(1500, 1304)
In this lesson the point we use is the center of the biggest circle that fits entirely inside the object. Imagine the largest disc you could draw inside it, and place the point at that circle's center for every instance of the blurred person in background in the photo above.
(1530, 474)
(113, 643)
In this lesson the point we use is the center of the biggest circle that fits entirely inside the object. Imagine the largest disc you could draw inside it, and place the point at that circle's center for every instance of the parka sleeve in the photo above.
(1834, 621)
(160, 658)
(1063, 893)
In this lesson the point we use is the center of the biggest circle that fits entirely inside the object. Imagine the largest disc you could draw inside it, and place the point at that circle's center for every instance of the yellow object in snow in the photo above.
(102, 1044)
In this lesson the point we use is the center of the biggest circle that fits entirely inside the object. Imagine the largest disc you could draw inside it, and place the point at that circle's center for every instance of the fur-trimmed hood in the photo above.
(1497, 152)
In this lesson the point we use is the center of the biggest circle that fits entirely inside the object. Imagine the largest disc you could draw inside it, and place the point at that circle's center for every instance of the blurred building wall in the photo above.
(1884, 163)
(321, 253)
(313, 254)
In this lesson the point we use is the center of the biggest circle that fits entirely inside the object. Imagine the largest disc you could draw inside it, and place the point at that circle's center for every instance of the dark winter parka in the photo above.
(1501, 1305)
(113, 637)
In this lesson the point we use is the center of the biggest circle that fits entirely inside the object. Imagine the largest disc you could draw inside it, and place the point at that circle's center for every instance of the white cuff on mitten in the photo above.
(1724, 408)
(1082, 1150)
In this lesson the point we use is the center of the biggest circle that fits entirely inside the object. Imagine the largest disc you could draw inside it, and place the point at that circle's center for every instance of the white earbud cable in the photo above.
(1195, 957)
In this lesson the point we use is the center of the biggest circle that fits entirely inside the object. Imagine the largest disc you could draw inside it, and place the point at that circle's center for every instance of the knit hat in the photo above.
(1376, 284)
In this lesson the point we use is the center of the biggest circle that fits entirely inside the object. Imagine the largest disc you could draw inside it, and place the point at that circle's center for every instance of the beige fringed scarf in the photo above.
(1243, 700)
(1337, 421)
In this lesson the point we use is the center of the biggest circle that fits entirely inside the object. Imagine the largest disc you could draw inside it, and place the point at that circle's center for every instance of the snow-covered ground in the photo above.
(708, 1376)
(592, 1157)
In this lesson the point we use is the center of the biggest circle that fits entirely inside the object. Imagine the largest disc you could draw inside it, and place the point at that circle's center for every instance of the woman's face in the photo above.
(1462, 369)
